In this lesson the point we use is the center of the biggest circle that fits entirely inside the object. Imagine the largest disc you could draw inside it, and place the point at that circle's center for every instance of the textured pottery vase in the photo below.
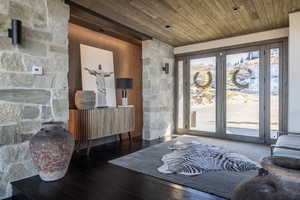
(85, 100)
(51, 150)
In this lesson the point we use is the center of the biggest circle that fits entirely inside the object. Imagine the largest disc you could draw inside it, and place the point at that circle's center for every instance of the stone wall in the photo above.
(158, 90)
(27, 100)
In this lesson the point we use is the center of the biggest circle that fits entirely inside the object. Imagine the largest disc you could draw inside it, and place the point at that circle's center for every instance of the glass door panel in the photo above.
(239, 94)
(274, 92)
(203, 94)
(180, 95)
(242, 94)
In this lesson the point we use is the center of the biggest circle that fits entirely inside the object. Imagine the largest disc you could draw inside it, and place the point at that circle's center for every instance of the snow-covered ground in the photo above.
(242, 116)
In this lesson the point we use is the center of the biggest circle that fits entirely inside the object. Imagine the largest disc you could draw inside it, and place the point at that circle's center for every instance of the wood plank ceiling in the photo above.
(194, 21)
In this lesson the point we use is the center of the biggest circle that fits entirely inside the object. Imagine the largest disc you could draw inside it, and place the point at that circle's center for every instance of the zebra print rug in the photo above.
(229, 163)
(195, 158)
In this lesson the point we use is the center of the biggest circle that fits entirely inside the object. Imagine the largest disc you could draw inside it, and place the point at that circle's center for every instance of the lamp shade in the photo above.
(124, 83)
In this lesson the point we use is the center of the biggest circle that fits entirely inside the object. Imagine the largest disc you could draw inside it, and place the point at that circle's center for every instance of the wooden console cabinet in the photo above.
(87, 125)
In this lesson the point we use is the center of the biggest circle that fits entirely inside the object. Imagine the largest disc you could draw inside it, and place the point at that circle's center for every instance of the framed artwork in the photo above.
(97, 70)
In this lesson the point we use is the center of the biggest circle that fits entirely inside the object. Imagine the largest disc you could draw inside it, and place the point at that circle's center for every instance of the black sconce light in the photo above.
(15, 33)
(166, 68)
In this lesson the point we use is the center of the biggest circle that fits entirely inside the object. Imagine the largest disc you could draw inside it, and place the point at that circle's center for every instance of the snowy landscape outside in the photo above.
(242, 93)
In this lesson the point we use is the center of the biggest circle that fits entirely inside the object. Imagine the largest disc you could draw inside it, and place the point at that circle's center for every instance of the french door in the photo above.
(239, 94)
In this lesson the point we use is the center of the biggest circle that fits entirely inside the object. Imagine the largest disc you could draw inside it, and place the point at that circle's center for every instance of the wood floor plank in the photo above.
(93, 178)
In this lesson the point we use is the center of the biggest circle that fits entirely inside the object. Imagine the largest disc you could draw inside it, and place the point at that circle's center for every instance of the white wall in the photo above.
(243, 39)
(294, 73)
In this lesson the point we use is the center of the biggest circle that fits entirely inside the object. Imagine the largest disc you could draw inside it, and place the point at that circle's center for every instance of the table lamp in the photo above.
(124, 84)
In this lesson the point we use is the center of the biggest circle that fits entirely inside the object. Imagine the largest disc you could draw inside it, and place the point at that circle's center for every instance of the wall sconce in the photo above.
(15, 33)
(166, 68)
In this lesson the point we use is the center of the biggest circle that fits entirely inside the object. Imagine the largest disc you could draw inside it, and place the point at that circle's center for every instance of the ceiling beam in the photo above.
(85, 17)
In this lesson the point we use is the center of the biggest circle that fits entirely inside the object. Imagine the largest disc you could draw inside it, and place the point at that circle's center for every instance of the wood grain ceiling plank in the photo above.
(252, 15)
(297, 5)
(224, 16)
(270, 12)
(231, 27)
(251, 9)
(233, 18)
(228, 27)
(276, 12)
(165, 16)
(243, 16)
(217, 16)
(279, 11)
(282, 9)
(175, 18)
(112, 9)
(133, 14)
(284, 14)
(263, 18)
(187, 10)
(263, 4)
(196, 16)
(285, 17)
(180, 18)
(287, 10)
(196, 20)
(202, 8)
(294, 6)
(141, 18)
(187, 16)
(209, 16)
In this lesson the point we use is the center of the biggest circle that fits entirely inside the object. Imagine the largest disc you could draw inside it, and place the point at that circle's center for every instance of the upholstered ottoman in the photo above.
(282, 178)
(268, 187)
(286, 151)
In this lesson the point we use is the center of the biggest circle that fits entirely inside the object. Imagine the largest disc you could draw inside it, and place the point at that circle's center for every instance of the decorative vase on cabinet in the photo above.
(51, 150)
(85, 99)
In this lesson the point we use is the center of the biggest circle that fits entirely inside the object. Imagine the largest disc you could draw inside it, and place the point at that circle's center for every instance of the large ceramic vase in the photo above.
(51, 150)
(85, 99)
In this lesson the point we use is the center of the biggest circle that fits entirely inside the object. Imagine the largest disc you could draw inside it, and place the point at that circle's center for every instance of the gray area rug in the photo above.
(220, 183)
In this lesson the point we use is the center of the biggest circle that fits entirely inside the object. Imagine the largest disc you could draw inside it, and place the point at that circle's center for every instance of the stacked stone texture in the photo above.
(158, 90)
(27, 100)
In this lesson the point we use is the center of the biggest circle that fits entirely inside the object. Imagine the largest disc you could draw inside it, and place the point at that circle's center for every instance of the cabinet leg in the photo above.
(77, 146)
(88, 148)
(129, 136)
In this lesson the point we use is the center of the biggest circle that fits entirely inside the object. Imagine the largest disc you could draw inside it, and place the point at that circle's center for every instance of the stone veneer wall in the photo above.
(158, 90)
(27, 100)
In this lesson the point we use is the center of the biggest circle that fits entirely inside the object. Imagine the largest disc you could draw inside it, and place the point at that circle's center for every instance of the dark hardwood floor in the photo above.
(93, 178)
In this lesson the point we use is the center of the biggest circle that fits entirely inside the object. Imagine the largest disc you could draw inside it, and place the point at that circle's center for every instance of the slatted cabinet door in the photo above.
(98, 123)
